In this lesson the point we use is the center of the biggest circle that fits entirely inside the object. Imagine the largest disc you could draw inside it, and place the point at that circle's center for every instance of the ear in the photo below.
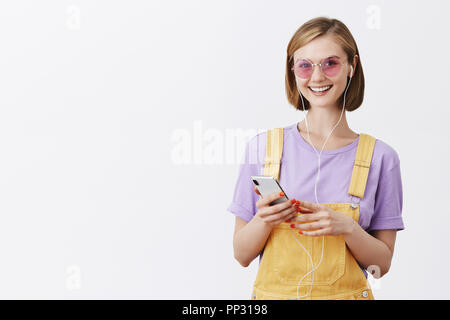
(353, 66)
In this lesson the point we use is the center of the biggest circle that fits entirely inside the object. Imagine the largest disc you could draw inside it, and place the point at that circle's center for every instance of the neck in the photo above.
(322, 120)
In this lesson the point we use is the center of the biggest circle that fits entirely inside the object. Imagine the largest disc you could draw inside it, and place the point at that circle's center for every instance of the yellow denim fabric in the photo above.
(285, 262)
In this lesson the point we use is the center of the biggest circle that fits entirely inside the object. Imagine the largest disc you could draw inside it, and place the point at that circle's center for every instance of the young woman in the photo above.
(350, 192)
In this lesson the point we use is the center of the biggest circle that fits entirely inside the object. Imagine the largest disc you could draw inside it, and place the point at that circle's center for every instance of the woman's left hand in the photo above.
(319, 220)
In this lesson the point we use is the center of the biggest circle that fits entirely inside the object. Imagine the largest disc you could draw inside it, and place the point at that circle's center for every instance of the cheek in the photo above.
(338, 88)
(341, 84)
(303, 87)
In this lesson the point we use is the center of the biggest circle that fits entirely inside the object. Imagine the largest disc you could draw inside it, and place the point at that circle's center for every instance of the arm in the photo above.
(375, 249)
(250, 238)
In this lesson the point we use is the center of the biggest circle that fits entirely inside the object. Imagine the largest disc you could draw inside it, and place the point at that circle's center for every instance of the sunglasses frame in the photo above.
(316, 64)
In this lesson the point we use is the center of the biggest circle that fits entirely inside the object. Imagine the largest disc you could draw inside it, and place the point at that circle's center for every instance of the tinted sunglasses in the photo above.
(330, 66)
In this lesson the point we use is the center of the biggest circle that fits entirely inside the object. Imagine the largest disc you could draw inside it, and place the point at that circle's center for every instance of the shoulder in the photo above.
(257, 143)
(384, 155)
(255, 147)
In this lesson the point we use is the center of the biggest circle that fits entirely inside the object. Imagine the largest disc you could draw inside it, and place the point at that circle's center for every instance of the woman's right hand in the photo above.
(275, 214)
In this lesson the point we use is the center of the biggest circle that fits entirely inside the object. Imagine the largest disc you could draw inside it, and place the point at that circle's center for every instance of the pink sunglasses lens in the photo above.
(331, 66)
(303, 68)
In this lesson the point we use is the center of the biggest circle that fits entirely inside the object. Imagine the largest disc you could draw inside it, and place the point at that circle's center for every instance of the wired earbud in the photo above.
(351, 71)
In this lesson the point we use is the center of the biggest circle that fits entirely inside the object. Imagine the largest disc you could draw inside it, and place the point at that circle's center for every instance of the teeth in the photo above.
(320, 89)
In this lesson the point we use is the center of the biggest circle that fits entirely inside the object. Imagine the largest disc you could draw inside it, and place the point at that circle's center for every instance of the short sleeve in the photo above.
(388, 201)
(243, 203)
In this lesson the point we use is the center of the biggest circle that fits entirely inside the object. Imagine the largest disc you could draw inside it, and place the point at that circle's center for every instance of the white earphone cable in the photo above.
(315, 193)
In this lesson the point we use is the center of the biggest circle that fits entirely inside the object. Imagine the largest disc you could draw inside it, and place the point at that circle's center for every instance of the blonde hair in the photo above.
(311, 30)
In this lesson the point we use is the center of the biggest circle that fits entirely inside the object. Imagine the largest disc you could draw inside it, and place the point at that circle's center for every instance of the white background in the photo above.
(94, 95)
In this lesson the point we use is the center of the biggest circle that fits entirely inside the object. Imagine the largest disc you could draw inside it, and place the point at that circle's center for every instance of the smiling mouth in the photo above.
(321, 89)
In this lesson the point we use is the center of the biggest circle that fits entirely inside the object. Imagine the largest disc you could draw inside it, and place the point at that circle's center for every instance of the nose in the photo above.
(317, 75)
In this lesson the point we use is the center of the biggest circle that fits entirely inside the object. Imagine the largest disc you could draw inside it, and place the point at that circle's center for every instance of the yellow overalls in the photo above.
(285, 262)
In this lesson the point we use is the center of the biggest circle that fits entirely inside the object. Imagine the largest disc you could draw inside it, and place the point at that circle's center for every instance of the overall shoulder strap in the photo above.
(274, 150)
(361, 166)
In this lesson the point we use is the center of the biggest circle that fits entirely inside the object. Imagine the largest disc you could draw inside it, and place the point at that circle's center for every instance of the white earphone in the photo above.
(351, 71)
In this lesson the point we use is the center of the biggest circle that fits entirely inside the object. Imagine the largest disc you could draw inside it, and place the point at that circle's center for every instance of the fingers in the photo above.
(268, 210)
(265, 201)
(279, 217)
(301, 210)
(310, 205)
(304, 210)
(317, 233)
(307, 217)
(309, 226)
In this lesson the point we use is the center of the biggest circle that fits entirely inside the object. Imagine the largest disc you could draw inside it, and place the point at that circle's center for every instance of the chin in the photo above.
(320, 102)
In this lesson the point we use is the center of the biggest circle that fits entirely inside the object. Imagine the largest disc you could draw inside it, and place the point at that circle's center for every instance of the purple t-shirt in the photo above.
(381, 207)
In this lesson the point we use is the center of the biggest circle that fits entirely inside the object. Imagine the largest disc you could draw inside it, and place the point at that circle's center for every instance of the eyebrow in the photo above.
(334, 56)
